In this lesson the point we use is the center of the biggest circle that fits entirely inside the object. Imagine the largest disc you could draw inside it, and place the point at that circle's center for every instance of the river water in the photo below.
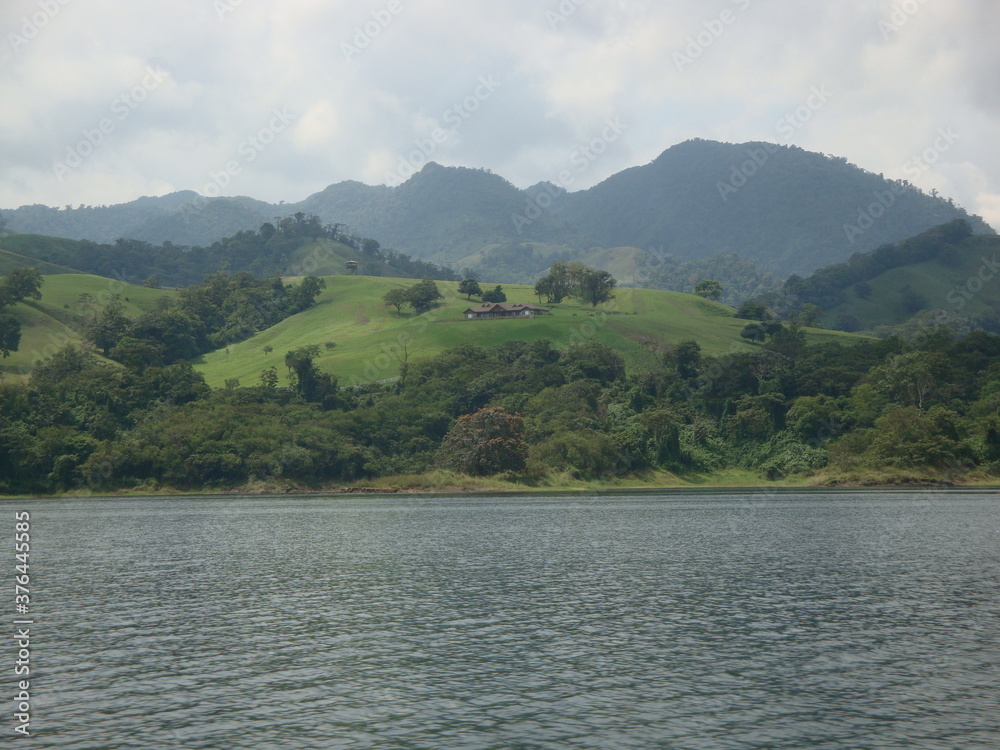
(730, 620)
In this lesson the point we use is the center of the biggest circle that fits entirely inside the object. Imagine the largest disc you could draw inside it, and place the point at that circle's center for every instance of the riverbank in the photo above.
(446, 482)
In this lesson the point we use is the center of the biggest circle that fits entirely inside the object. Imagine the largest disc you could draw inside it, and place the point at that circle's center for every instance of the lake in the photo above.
(707, 620)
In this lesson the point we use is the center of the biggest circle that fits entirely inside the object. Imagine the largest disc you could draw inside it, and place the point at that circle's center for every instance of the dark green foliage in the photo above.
(311, 384)
(709, 288)
(224, 309)
(270, 251)
(107, 326)
(396, 297)
(496, 294)
(422, 296)
(18, 285)
(470, 288)
(522, 407)
(595, 286)
(740, 279)
(557, 285)
(754, 310)
(10, 334)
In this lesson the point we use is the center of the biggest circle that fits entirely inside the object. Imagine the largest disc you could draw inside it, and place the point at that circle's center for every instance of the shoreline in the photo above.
(481, 487)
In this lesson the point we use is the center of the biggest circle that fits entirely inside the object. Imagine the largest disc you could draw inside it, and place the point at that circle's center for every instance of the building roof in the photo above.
(498, 307)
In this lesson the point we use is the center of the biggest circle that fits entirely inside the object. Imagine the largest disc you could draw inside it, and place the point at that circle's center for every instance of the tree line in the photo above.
(875, 411)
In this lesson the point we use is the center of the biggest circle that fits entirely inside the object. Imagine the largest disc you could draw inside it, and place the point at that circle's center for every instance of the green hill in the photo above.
(297, 247)
(639, 324)
(9, 261)
(54, 321)
(946, 269)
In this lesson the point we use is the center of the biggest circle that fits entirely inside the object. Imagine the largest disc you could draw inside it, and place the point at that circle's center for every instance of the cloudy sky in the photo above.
(108, 100)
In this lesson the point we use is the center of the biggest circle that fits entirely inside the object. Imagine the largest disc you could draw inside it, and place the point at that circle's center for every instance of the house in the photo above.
(503, 310)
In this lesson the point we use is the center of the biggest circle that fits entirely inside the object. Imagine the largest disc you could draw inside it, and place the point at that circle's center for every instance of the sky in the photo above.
(109, 100)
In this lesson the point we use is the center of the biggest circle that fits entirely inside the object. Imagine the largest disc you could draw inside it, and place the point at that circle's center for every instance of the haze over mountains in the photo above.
(791, 210)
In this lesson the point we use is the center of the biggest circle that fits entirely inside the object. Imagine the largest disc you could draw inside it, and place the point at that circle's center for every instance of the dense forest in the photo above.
(879, 411)
(273, 249)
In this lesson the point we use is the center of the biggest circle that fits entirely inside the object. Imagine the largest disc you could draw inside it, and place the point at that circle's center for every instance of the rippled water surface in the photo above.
(728, 621)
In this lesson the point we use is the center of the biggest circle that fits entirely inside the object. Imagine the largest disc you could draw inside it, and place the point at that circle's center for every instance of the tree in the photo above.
(422, 296)
(912, 379)
(304, 295)
(807, 315)
(20, 284)
(487, 442)
(686, 357)
(10, 334)
(309, 382)
(709, 289)
(269, 378)
(753, 310)
(596, 286)
(496, 294)
(470, 287)
(108, 326)
(558, 284)
(396, 297)
(754, 331)
(542, 287)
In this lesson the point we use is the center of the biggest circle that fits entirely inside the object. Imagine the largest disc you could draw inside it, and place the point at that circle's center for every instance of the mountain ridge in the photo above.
(792, 210)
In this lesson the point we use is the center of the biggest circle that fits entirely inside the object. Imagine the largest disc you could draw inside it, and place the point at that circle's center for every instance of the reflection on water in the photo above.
(814, 621)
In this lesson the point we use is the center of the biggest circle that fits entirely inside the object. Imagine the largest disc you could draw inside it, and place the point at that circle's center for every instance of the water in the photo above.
(704, 621)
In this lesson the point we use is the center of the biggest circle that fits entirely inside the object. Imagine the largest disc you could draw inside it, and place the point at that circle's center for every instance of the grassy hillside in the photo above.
(47, 254)
(9, 261)
(350, 314)
(951, 283)
(52, 322)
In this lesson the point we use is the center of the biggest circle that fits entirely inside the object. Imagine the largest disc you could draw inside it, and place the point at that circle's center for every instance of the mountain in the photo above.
(790, 210)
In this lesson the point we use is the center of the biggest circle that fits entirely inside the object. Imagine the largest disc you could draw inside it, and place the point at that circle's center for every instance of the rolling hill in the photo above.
(946, 271)
(54, 321)
(280, 254)
(368, 336)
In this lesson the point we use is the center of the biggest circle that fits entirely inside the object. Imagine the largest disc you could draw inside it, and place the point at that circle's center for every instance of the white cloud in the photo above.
(564, 65)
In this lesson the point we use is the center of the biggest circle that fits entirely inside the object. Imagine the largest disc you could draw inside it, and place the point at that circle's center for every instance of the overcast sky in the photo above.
(108, 100)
